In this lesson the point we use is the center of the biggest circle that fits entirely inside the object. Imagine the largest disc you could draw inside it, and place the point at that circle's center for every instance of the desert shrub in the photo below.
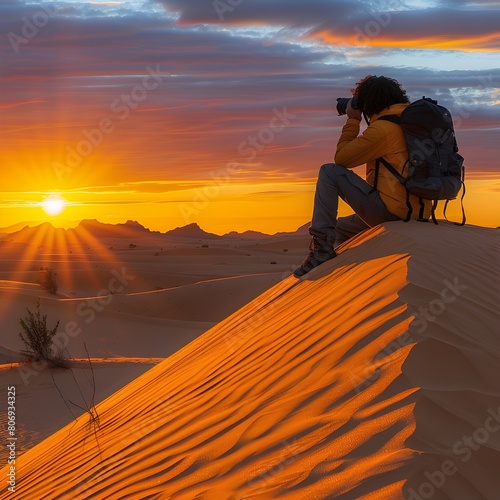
(38, 338)
(48, 280)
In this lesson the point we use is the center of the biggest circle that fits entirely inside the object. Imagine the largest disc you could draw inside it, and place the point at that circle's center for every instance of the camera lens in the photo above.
(342, 104)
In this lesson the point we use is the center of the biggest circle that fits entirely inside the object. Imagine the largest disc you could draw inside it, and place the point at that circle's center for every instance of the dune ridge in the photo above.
(360, 380)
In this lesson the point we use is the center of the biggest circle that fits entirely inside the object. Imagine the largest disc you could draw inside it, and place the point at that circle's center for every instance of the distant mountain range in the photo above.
(191, 231)
(93, 229)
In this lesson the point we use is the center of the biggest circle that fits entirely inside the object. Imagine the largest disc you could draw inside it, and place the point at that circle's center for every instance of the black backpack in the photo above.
(434, 169)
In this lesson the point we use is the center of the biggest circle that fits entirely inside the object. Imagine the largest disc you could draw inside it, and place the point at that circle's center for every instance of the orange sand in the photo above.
(376, 376)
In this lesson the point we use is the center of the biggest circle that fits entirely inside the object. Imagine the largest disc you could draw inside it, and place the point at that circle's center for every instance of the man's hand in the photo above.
(351, 112)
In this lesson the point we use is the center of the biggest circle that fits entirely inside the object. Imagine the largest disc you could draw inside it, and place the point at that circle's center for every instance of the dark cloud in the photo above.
(428, 28)
(125, 46)
(291, 13)
(475, 24)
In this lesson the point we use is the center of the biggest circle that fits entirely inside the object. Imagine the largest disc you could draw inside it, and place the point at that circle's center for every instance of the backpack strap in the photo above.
(421, 211)
(408, 204)
(433, 211)
(387, 165)
(395, 119)
(391, 169)
(377, 168)
(462, 205)
(398, 176)
(391, 118)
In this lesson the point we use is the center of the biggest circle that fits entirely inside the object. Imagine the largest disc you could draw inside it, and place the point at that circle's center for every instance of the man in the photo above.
(376, 97)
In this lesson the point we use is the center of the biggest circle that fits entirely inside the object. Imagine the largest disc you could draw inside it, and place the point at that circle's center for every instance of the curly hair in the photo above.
(376, 93)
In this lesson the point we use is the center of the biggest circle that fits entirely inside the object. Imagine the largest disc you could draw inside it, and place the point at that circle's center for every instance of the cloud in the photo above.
(219, 88)
(291, 13)
(141, 187)
(434, 28)
(75, 46)
(457, 25)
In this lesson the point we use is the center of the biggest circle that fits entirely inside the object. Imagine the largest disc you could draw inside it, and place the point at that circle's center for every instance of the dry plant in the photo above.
(48, 281)
(90, 408)
(38, 339)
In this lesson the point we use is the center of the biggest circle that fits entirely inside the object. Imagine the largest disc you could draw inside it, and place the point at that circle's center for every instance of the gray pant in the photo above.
(335, 181)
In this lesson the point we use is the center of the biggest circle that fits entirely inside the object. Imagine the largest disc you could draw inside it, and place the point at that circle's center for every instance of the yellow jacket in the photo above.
(380, 139)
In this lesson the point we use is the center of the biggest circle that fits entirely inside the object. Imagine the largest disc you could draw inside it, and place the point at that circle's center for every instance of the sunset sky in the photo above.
(221, 112)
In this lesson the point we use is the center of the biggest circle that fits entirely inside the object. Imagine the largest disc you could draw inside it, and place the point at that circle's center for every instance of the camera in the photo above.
(342, 104)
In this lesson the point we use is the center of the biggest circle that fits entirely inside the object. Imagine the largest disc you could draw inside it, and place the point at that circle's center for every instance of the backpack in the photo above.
(435, 170)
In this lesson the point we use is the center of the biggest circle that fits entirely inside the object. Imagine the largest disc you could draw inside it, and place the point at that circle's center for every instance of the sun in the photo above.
(54, 204)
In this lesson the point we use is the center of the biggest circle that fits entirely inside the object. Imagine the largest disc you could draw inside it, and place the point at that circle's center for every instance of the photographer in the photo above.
(375, 97)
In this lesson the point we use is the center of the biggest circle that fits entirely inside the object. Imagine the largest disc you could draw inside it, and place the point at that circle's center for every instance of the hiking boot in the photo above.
(320, 251)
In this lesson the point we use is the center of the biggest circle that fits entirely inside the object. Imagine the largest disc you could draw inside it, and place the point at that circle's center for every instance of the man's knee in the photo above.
(330, 170)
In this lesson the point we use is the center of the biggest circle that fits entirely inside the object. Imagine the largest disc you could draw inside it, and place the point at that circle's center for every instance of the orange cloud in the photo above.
(479, 43)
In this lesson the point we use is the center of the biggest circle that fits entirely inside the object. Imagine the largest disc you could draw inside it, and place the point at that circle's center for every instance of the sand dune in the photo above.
(376, 376)
(126, 307)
